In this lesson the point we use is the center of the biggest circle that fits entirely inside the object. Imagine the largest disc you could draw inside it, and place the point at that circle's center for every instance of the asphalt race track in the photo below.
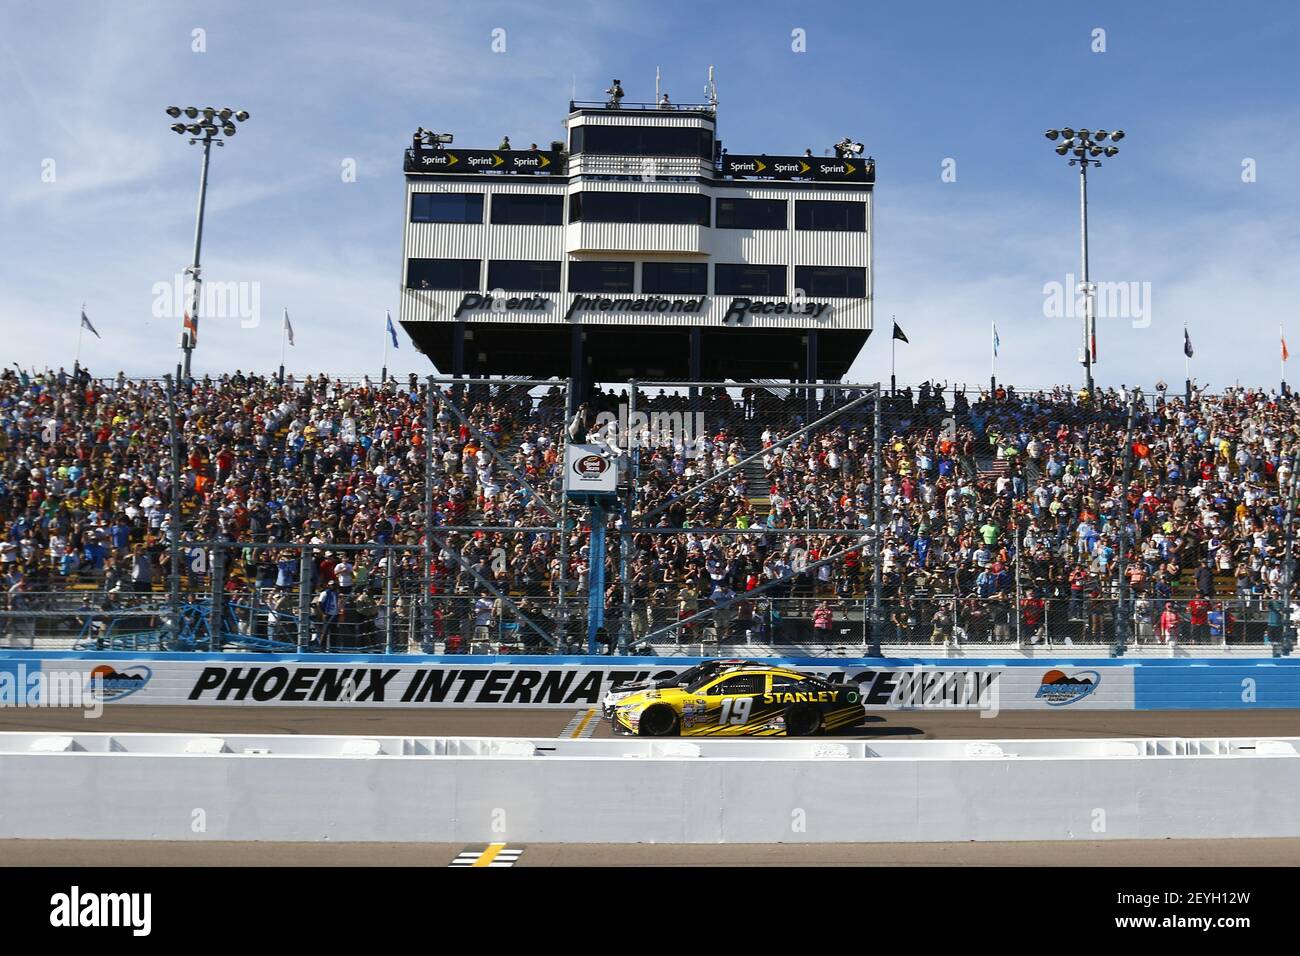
(519, 722)
(960, 725)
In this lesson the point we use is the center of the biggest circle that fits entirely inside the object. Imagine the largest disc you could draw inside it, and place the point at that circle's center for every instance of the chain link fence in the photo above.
(428, 515)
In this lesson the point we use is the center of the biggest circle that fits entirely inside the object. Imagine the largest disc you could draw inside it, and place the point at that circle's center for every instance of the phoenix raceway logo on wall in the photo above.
(448, 683)
(107, 683)
(1059, 688)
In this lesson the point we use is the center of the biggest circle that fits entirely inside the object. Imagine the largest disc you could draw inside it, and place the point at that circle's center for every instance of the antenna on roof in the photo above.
(656, 84)
(711, 91)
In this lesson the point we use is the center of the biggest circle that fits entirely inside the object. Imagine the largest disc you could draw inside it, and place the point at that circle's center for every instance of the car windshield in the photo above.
(705, 678)
(690, 676)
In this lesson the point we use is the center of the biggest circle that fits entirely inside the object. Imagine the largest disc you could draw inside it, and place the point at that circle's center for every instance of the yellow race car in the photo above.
(745, 700)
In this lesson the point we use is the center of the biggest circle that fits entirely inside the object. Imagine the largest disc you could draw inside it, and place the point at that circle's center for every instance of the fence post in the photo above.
(388, 602)
(561, 603)
(877, 582)
(304, 597)
(174, 531)
(630, 446)
(217, 608)
(425, 604)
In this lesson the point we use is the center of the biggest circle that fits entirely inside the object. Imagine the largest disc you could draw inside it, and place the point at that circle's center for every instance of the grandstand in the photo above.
(299, 511)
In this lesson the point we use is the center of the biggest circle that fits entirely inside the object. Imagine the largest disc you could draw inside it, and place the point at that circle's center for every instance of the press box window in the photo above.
(447, 207)
(828, 215)
(751, 213)
(682, 209)
(642, 141)
(523, 275)
(848, 282)
(460, 274)
(686, 278)
(600, 276)
(736, 279)
(511, 209)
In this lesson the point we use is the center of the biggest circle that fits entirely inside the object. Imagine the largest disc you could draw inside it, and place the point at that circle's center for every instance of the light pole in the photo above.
(205, 127)
(1083, 148)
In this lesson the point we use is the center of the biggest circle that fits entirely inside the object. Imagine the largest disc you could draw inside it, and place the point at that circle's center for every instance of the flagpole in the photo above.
(81, 331)
(1187, 367)
(284, 335)
(893, 383)
(383, 374)
(1282, 337)
(993, 359)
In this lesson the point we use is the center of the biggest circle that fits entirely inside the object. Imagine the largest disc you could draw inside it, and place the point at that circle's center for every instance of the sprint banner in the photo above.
(462, 162)
(799, 167)
(445, 682)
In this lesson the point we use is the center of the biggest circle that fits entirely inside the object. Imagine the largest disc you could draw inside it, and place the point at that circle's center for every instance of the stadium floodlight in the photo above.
(1082, 149)
(214, 124)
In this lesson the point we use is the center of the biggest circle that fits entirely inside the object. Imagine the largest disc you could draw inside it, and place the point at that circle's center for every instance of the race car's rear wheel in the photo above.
(658, 721)
(802, 722)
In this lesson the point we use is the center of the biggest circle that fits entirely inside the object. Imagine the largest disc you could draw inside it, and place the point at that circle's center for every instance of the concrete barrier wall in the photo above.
(690, 799)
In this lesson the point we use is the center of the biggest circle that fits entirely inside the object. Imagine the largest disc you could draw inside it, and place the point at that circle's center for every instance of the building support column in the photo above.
(696, 364)
(811, 407)
(577, 370)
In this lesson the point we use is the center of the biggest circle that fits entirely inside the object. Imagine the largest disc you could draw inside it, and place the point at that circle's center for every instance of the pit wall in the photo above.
(414, 681)
(459, 790)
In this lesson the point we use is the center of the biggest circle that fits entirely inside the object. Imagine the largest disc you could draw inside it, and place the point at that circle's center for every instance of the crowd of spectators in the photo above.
(1001, 512)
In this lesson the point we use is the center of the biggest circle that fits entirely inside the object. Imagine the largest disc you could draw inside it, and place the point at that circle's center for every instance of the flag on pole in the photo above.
(1285, 354)
(898, 334)
(996, 340)
(392, 331)
(1187, 343)
(192, 327)
(288, 326)
(85, 324)
(1092, 344)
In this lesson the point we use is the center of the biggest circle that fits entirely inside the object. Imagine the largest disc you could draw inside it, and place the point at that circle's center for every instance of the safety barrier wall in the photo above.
(677, 793)
(464, 681)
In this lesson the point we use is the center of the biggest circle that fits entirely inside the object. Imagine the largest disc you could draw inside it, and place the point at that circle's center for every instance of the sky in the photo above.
(976, 218)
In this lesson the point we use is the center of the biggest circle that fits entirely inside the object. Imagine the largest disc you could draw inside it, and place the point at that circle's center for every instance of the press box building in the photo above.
(641, 249)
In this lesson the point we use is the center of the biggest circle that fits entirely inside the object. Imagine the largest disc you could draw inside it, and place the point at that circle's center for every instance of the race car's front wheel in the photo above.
(802, 722)
(658, 721)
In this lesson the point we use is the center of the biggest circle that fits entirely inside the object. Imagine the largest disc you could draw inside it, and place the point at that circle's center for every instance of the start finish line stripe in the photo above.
(587, 725)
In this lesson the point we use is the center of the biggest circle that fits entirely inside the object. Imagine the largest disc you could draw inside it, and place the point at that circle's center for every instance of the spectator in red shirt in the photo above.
(1031, 614)
(1170, 621)
(1198, 612)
